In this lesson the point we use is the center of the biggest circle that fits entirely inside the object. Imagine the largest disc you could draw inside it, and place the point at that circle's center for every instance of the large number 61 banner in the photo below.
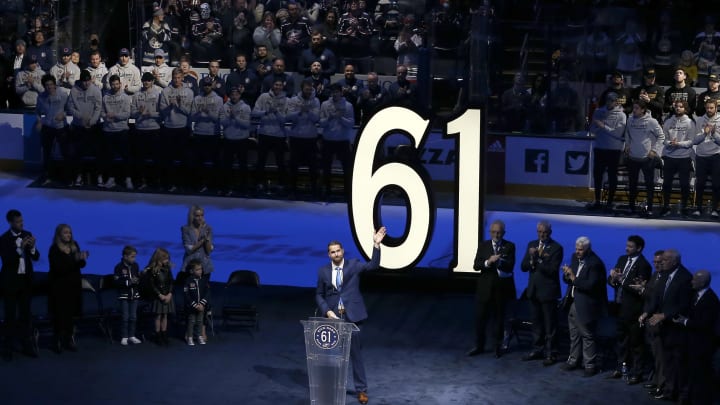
(372, 178)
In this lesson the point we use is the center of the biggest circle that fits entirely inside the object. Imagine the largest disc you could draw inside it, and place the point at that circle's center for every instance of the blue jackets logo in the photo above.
(577, 162)
(536, 160)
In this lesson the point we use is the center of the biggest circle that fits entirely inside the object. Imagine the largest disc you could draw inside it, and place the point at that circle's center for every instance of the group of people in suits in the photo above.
(671, 311)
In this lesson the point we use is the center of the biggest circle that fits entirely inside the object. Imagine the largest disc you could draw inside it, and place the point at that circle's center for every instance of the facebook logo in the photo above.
(536, 160)
(577, 162)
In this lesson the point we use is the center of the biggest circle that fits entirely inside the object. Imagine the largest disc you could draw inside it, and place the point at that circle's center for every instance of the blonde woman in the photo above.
(161, 280)
(65, 295)
(197, 238)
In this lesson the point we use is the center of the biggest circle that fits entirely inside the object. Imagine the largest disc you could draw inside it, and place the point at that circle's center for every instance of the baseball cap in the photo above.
(235, 88)
(124, 52)
(611, 96)
(147, 77)
(714, 78)
(66, 51)
(649, 73)
(160, 53)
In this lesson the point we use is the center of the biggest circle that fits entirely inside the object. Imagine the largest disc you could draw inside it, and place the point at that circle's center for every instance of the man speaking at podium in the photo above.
(338, 296)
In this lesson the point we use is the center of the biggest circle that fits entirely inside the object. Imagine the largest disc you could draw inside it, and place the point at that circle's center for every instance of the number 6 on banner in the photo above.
(367, 187)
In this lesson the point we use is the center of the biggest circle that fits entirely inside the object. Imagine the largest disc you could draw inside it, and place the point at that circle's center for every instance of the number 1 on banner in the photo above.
(367, 187)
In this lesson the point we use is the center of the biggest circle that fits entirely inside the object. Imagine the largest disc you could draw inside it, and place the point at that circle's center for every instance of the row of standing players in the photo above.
(172, 122)
(671, 311)
(337, 295)
(18, 251)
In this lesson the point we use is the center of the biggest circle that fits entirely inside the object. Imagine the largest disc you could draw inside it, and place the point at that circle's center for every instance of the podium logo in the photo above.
(577, 162)
(326, 337)
(536, 160)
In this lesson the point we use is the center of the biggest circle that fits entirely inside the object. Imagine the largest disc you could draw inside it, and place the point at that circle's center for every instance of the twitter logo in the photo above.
(577, 162)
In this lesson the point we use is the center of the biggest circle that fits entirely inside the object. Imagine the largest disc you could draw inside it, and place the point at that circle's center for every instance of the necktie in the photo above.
(496, 247)
(667, 284)
(541, 247)
(697, 298)
(338, 285)
(581, 263)
(626, 271)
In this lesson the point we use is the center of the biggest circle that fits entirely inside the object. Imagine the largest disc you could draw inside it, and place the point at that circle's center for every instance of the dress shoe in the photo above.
(474, 351)
(655, 392)
(549, 361)
(568, 367)
(532, 356)
(649, 386)
(362, 397)
(499, 351)
(664, 397)
(634, 380)
(614, 374)
(590, 371)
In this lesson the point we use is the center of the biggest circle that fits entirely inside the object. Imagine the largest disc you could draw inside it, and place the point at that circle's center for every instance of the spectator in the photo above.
(87, 50)
(617, 86)
(707, 159)
(608, 127)
(20, 56)
(329, 30)
(116, 106)
(127, 279)
(652, 94)
(207, 36)
(262, 62)
(372, 98)
(28, 82)
(206, 114)
(320, 83)
(42, 51)
(65, 72)
(269, 36)
(643, 145)
(707, 59)
(190, 77)
(594, 54)
(128, 73)
(278, 73)
(688, 64)
(514, 104)
(352, 88)
(337, 119)
(295, 34)
(402, 91)
(160, 70)
(317, 52)
(408, 42)
(239, 24)
(564, 108)
(161, 281)
(354, 32)
(97, 69)
(85, 106)
(245, 77)
(271, 109)
(156, 33)
(146, 137)
(75, 58)
(65, 294)
(175, 106)
(679, 130)
(630, 53)
(236, 142)
(389, 21)
(712, 93)
(218, 84)
(680, 91)
(52, 122)
(303, 115)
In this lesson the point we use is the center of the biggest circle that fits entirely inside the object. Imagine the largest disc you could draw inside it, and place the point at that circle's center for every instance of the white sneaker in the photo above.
(134, 340)
(78, 181)
(100, 182)
(201, 340)
(190, 341)
(110, 183)
(124, 341)
(128, 183)
(714, 214)
(696, 213)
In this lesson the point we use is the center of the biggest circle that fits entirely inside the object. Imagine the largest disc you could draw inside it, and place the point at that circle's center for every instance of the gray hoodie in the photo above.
(59, 71)
(175, 106)
(207, 112)
(236, 124)
(611, 134)
(129, 76)
(642, 135)
(27, 91)
(149, 102)
(85, 105)
(272, 110)
(48, 107)
(304, 114)
(681, 129)
(337, 119)
(118, 105)
(98, 74)
(707, 144)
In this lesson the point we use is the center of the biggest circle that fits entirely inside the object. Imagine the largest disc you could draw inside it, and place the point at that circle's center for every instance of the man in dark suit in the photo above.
(669, 301)
(18, 251)
(696, 378)
(586, 289)
(631, 269)
(338, 296)
(495, 260)
(542, 260)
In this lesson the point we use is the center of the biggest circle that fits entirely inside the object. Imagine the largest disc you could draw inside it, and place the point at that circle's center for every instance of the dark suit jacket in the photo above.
(489, 282)
(632, 302)
(327, 296)
(590, 293)
(701, 323)
(676, 301)
(11, 259)
(544, 280)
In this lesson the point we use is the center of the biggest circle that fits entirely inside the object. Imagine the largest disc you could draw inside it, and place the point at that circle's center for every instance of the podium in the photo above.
(327, 345)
